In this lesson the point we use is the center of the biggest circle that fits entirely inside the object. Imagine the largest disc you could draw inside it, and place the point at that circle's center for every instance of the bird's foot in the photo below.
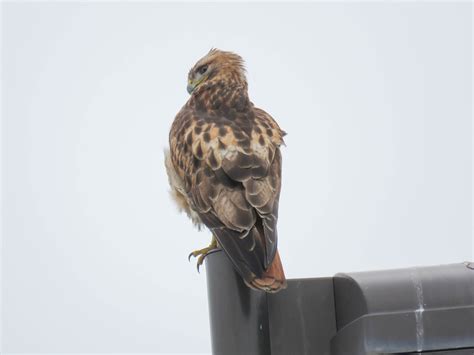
(202, 253)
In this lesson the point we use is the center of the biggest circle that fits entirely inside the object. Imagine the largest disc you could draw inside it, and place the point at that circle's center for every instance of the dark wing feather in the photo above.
(263, 194)
(243, 248)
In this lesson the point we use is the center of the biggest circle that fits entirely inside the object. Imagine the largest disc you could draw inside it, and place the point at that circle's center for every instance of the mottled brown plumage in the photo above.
(224, 168)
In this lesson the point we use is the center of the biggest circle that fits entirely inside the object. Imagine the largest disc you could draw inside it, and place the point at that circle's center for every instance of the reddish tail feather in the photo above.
(273, 279)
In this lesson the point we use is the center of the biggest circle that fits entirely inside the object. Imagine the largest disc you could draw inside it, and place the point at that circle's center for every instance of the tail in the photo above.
(272, 280)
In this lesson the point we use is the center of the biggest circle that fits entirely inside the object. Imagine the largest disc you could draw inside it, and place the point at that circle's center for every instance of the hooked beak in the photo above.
(190, 87)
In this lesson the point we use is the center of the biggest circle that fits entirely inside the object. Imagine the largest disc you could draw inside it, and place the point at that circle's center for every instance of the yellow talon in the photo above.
(202, 253)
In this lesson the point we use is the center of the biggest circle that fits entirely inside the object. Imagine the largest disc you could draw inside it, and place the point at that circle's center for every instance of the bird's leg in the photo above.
(202, 253)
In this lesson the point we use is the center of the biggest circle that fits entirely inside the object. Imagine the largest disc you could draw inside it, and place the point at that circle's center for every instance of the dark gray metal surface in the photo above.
(448, 352)
(409, 311)
(297, 321)
(238, 315)
(302, 319)
(405, 310)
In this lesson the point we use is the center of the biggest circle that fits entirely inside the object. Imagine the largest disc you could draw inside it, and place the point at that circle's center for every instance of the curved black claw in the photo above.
(201, 254)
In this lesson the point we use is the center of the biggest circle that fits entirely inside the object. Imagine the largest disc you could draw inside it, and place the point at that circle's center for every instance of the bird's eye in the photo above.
(202, 69)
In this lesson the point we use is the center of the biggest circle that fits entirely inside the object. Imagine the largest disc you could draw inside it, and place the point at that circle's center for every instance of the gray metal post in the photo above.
(238, 315)
(297, 321)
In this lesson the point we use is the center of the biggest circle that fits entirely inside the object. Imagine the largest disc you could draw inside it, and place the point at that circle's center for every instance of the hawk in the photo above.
(224, 168)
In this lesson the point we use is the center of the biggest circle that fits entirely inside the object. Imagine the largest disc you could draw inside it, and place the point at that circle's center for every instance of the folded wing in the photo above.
(232, 174)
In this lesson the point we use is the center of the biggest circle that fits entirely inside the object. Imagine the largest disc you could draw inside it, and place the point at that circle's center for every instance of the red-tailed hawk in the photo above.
(224, 167)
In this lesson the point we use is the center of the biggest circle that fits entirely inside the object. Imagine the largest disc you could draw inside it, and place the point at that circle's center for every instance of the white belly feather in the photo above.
(178, 192)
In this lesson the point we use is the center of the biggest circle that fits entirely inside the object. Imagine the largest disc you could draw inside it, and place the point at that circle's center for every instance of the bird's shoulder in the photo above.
(211, 136)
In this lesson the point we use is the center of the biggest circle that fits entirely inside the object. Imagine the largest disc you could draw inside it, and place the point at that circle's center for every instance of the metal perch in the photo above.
(413, 310)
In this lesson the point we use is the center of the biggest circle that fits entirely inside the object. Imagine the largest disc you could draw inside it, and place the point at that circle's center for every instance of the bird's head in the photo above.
(217, 65)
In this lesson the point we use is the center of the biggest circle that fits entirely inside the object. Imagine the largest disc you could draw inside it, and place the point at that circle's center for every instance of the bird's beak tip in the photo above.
(190, 88)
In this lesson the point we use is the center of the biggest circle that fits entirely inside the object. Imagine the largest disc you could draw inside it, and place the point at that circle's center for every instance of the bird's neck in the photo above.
(221, 95)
